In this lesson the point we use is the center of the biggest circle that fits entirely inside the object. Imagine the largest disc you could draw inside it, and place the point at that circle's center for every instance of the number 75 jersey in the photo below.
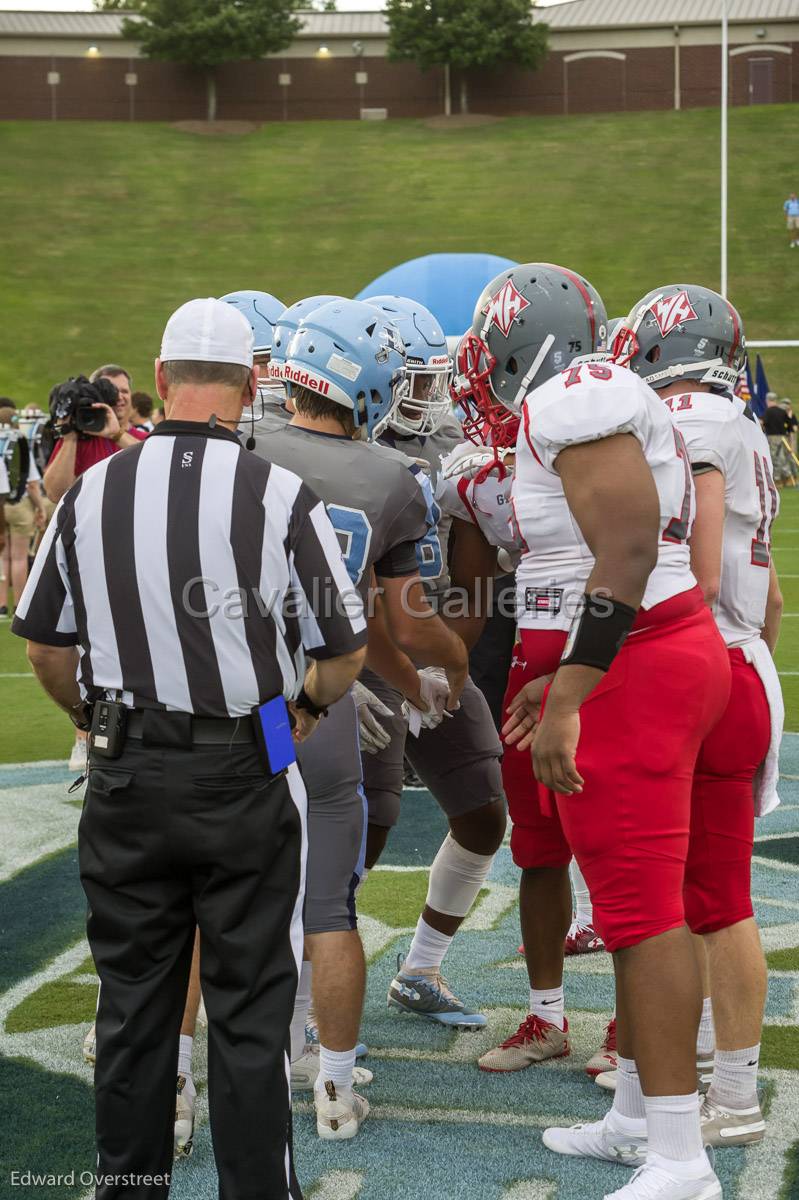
(587, 403)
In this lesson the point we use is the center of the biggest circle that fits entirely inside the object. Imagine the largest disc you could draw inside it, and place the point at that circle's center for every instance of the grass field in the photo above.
(108, 227)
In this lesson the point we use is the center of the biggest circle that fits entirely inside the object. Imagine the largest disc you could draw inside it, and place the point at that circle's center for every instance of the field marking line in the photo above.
(17, 675)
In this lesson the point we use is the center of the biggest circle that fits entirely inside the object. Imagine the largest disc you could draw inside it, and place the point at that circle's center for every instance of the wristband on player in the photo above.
(597, 632)
(305, 702)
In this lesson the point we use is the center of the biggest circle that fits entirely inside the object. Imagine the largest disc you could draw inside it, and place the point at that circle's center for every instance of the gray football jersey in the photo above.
(371, 493)
(431, 551)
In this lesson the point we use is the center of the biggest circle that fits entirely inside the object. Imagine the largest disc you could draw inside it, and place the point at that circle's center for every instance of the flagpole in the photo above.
(725, 60)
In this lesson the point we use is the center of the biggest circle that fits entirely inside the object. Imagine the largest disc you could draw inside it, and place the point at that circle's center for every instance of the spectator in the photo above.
(791, 209)
(142, 412)
(21, 518)
(158, 416)
(76, 452)
(776, 426)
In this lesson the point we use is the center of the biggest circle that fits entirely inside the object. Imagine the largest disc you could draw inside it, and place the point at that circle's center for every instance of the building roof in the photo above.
(608, 14)
(579, 14)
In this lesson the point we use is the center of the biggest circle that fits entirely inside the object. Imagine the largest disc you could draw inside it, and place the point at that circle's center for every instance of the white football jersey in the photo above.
(719, 434)
(586, 403)
(481, 497)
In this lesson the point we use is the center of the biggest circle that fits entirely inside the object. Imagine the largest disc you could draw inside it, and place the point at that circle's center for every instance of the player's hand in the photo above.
(304, 723)
(111, 429)
(524, 712)
(435, 691)
(554, 750)
(456, 678)
(374, 737)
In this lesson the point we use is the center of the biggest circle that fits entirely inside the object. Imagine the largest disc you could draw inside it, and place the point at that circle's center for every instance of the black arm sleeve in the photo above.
(398, 561)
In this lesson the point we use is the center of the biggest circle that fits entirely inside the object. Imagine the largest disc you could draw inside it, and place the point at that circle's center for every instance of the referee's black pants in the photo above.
(170, 837)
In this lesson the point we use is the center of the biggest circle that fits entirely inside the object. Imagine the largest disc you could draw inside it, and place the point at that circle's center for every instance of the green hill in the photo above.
(108, 227)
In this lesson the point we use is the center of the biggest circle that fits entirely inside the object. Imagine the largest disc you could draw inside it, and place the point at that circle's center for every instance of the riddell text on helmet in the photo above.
(304, 379)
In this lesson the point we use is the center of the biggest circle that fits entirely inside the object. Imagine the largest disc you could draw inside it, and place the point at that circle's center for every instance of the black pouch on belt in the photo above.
(108, 728)
(161, 728)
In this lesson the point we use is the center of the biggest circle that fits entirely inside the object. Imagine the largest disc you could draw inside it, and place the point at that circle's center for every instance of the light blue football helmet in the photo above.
(423, 401)
(287, 325)
(262, 311)
(349, 353)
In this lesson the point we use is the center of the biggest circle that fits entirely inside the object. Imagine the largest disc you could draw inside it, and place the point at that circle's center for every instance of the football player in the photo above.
(643, 677)
(342, 364)
(687, 342)
(458, 760)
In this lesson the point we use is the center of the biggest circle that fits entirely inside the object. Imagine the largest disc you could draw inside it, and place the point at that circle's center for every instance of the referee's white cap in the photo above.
(207, 330)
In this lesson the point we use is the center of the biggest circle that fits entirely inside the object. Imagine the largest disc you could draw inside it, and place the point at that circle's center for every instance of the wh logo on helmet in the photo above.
(503, 309)
(672, 311)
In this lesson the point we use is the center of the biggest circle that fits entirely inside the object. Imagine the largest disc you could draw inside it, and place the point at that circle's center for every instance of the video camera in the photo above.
(71, 405)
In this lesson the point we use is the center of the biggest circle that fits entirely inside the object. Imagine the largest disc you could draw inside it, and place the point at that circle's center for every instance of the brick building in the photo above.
(605, 56)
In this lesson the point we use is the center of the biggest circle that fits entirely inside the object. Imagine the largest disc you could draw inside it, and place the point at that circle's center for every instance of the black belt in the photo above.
(205, 731)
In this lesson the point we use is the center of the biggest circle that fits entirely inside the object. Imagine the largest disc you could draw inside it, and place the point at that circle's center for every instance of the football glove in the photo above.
(374, 737)
(435, 693)
(467, 460)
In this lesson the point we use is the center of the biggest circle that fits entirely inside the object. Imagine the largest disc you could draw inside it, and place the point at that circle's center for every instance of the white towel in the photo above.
(758, 654)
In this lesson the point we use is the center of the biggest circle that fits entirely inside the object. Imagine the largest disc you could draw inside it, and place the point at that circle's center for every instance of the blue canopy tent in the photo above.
(447, 284)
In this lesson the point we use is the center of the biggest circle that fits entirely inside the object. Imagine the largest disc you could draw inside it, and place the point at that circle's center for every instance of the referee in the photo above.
(181, 584)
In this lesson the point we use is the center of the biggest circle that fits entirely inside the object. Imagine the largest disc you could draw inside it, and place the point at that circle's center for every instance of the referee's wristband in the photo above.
(598, 632)
(305, 702)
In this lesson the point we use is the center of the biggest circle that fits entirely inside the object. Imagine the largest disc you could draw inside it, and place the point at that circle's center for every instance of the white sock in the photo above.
(734, 1082)
(628, 1101)
(185, 1045)
(673, 1127)
(706, 1037)
(335, 1066)
(583, 908)
(549, 1005)
(428, 947)
(302, 1003)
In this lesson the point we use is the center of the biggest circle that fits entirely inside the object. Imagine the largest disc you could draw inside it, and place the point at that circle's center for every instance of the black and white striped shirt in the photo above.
(192, 575)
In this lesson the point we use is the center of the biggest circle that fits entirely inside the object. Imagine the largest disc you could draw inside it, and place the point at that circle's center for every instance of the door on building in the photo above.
(761, 80)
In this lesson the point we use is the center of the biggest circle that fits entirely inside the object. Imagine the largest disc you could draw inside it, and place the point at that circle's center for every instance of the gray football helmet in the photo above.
(683, 331)
(531, 322)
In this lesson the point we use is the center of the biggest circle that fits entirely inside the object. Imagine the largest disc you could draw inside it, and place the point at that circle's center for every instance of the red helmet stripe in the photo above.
(584, 292)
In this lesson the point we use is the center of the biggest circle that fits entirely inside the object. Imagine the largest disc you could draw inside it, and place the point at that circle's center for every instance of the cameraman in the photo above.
(75, 452)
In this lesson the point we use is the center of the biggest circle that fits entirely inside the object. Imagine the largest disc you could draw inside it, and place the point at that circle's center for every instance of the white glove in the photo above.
(435, 693)
(374, 737)
(467, 460)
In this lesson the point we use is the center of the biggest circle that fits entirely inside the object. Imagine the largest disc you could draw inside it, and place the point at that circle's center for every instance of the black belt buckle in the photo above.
(171, 729)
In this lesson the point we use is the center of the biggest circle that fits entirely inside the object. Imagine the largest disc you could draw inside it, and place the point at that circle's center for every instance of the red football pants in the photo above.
(719, 868)
(536, 840)
(641, 730)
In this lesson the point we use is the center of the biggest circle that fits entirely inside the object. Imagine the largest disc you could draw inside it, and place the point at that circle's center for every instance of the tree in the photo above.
(207, 33)
(463, 34)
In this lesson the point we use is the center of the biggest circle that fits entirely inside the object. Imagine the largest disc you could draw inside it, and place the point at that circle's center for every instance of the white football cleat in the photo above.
(184, 1119)
(339, 1117)
(79, 757)
(90, 1046)
(654, 1181)
(305, 1071)
(722, 1126)
(599, 1139)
